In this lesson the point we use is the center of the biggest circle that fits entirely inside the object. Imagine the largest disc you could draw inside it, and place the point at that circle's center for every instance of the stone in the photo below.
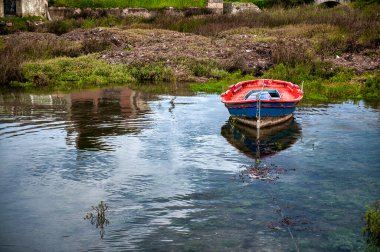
(26, 8)
(234, 8)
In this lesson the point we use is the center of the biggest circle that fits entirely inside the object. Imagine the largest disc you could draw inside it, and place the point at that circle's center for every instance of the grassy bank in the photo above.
(149, 4)
(271, 3)
(64, 73)
(321, 37)
(322, 82)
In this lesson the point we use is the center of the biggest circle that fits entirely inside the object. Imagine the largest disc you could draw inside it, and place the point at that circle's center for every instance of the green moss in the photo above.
(372, 227)
(72, 73)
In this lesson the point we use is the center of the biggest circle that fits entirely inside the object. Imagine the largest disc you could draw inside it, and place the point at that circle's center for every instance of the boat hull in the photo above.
(265, 122)
(267, 109)
(262, 99)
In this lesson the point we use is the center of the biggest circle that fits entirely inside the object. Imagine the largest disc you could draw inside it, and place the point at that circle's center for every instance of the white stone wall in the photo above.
(337, 1)
(1, 8)
(216, 6)
(33, 8)
(234, 8)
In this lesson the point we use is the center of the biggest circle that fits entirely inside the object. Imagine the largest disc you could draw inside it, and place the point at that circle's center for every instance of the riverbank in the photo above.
(335, 52)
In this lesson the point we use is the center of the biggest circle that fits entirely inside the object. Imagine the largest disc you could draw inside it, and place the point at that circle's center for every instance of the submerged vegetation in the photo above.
(372, 227)
(334, 52)
(98, 218)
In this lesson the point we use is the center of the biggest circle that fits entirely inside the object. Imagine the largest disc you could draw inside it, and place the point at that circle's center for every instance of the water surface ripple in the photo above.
(176, 174)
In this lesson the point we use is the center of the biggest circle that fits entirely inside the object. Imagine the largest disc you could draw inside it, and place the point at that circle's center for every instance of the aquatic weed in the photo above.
(99, 217)
(371, 229)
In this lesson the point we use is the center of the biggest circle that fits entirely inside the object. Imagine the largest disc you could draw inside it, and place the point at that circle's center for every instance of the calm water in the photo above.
(177, 176)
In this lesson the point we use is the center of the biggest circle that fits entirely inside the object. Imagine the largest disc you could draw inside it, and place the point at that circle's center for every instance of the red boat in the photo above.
(273, 101)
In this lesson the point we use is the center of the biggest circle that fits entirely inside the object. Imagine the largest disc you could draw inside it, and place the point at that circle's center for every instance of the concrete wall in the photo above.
(58, 13)
(336, 1)
(32, 8)
(234, 8)
(28, 8)
(1, 8)
(18, 7)
(39, 8)
(216, 6)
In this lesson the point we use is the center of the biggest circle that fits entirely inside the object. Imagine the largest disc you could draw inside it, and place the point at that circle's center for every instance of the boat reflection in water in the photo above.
(261, 143)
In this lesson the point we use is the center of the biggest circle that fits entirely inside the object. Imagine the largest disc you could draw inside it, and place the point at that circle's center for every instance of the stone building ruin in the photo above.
(23, 8)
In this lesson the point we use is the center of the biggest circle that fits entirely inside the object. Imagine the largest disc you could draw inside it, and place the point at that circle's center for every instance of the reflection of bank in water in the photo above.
(101, 113)
(269, 141)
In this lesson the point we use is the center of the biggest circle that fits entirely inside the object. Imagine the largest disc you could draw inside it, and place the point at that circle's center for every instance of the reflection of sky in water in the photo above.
(171, 181)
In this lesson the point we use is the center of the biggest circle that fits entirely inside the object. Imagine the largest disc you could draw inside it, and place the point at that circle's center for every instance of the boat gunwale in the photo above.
(257, 82)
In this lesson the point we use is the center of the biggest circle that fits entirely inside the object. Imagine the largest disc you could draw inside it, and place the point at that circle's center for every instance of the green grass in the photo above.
(18, 24)
(60, 27)
(150, 4)
(155, 72)
(271, 3)
(321, 82)
(219, 86)
(65, 73)
(371, 88)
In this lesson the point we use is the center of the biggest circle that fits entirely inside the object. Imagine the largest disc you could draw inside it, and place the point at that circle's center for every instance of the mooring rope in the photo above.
(258, 114)
(287, 226)
(258, 118)
(258, 110)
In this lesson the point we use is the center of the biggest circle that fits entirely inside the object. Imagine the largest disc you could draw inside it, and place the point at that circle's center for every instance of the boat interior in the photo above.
(269, 94)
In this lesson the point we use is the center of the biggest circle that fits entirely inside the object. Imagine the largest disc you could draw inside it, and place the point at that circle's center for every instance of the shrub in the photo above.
(205, 68)
(321, 80)
(69, 73)
(284, 52)
(95, 45)
(152, 73)
(17, 50)
(60, 27)
(371, 88)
